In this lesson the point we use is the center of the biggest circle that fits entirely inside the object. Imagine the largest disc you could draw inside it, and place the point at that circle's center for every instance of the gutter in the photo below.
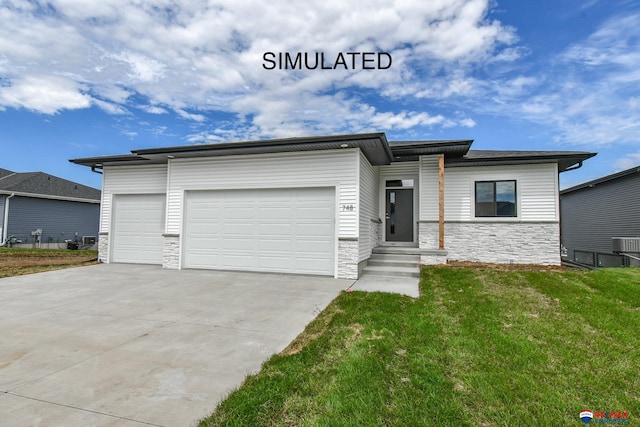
(50, 197)
(5, 223)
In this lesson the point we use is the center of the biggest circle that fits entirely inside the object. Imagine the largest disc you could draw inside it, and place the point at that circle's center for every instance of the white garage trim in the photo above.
(283, 230)
(137, 227)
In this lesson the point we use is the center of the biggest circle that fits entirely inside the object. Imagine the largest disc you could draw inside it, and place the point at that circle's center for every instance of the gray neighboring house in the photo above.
(45, 210)
(594, 212)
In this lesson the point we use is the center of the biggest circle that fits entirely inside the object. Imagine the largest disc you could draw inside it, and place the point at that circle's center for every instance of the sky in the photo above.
(84, 79)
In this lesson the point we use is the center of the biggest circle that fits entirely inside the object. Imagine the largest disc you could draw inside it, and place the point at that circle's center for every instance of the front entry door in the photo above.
(399, 215)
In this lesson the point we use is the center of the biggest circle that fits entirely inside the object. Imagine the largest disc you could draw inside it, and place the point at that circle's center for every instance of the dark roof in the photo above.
(374, 146)
(40, 184)
(5, 172)
(566, 159)
(614, 176)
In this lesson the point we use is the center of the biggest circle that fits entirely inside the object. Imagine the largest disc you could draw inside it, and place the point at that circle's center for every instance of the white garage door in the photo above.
(275, 230)
(138, 224)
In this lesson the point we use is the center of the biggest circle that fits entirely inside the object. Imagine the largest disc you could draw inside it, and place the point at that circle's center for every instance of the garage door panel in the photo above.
(281, 263)
(237, 243)
(318, 230)
(274, 212)
(274, 245)
(266, 230)
(278, 230)
(239, 260)
(232, 228)
(138, 226)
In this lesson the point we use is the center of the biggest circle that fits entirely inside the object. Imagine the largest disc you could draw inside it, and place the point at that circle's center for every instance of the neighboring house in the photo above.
(596, 211)
(319, 205)
(43, 210)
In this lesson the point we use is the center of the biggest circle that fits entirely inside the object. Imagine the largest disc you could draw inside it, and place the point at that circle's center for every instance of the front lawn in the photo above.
(480, 347)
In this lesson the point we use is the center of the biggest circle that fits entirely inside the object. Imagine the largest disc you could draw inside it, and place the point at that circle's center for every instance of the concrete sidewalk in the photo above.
(397, 285)
(131, 345)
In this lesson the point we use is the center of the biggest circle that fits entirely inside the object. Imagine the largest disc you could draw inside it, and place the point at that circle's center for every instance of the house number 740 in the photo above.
(348, 208)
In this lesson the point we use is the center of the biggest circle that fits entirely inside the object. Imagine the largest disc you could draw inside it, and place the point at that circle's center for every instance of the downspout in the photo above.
(5, 222)
(574, 167)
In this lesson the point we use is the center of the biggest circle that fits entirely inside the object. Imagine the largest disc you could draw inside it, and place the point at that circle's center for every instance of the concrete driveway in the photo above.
(131, 345)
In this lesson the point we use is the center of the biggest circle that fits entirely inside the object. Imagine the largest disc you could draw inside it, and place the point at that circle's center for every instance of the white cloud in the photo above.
(192, 58)
(404, 120)
(190, 116)
(153, 109)
(110, 107)
(44, 93)
(628, 162)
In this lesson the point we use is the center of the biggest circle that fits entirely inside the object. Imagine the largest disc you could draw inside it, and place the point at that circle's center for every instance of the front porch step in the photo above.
(395, 257)
(402, 250)
(377, 262)
(392, 271)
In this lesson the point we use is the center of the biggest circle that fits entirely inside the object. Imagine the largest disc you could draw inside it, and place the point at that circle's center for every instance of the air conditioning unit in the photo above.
(88, 240)
(627, 245)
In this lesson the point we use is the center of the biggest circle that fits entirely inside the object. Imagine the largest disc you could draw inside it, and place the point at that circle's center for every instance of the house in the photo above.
(319, 205)
(43, 210)
(596, 211)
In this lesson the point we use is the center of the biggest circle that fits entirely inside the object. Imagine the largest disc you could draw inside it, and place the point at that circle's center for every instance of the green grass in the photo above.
(478, 348)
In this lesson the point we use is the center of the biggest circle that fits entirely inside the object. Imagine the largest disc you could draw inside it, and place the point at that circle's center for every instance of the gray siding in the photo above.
(590, 217)
(2, 197)
(58, 219)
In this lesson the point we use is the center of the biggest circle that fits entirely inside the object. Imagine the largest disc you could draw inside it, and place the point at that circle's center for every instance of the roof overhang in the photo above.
(404, 151)
(125, 159)
(566, 160)
(602, 180)
(373, 145)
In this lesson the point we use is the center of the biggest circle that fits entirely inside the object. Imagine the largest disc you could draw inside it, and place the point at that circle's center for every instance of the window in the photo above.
(399, 183)
(496, 199)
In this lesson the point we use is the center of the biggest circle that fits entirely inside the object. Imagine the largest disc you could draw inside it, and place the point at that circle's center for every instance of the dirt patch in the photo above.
(508, 267)
(18, 262)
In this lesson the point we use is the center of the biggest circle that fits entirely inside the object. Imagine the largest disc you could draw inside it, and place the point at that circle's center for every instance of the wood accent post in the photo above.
(441, 202)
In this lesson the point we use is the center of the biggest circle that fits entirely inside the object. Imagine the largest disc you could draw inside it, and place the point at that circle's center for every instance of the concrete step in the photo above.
(376, 262)
(401, 250)
(390, 263)
(396, 257)
(392, 271)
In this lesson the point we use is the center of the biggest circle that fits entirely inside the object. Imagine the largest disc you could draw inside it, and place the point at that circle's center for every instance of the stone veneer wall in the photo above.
(428, 235)
(171, 251)
(348, 258)
(103, 247)
(497, 242)
(375, 233)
